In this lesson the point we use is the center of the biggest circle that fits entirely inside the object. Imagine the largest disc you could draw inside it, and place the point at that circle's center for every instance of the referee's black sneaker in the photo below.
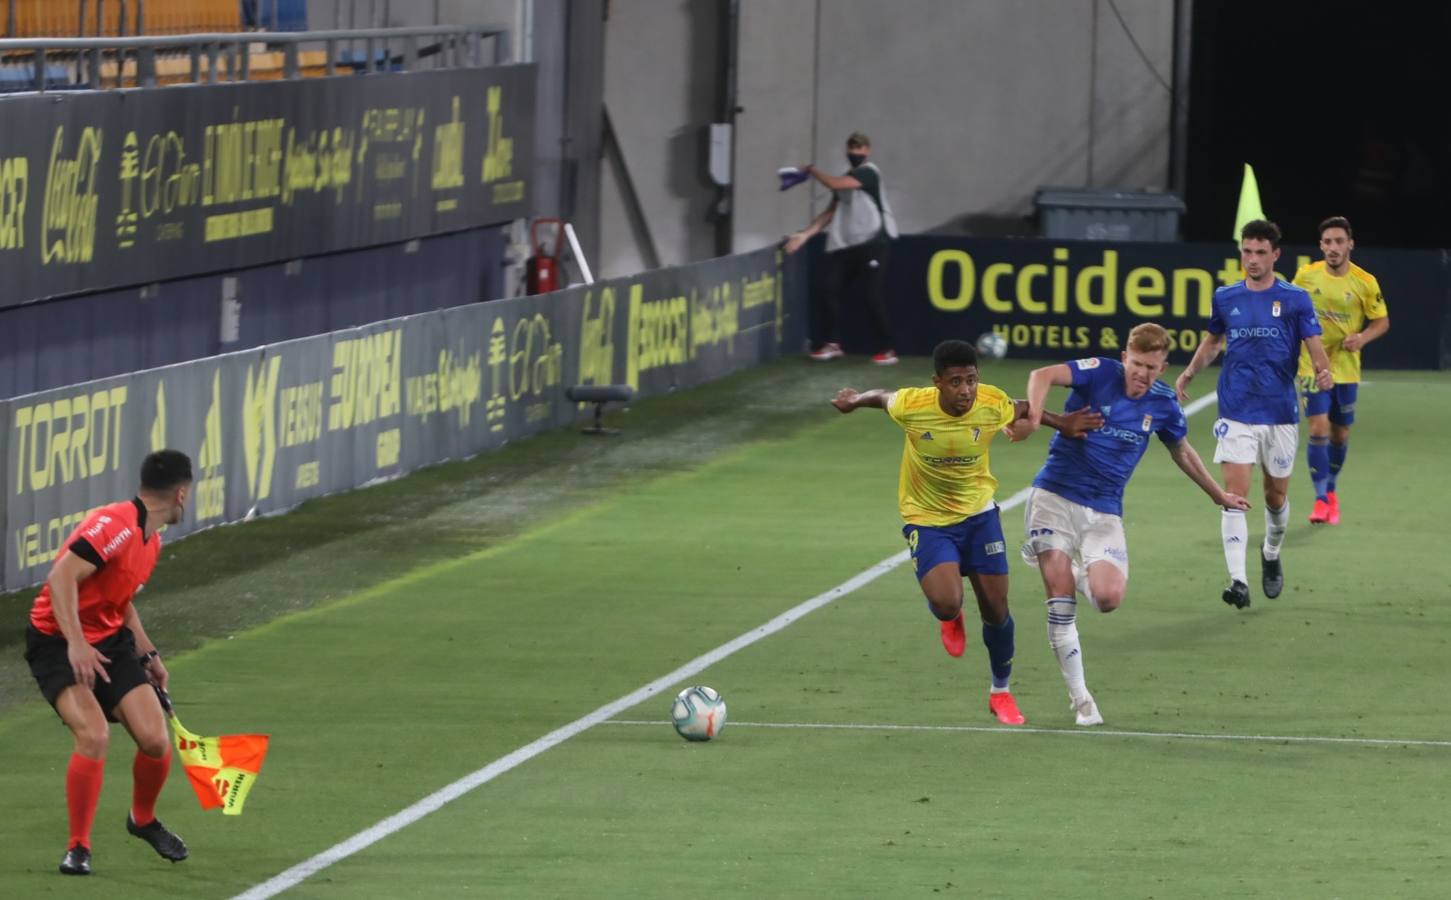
(1237, 594)
(1272, 577)
(166, 844)
(77, 861)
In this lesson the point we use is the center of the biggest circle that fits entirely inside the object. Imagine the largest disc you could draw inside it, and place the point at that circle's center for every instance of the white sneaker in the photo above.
(1085, 711)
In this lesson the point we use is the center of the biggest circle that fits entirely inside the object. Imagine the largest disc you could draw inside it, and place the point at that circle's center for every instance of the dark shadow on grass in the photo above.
(238, 576)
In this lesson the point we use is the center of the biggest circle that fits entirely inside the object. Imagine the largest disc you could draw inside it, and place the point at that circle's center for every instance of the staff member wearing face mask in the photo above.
(860, 230)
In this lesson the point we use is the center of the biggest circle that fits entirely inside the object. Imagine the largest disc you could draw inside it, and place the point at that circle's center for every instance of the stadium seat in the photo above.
(21, 78)
(62, 18)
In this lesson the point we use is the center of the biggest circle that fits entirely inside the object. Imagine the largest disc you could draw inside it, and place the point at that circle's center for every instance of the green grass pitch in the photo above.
(396, 639)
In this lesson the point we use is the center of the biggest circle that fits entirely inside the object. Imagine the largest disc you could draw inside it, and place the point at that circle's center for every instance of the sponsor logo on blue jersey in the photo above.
(1123, 434)
(1269, 331)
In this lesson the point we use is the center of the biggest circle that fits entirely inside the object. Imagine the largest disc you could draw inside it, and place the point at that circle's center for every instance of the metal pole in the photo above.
(1179, 100)
(140, 17)
(80, 32)
(10, 20)
(121, 51)
(276, 16)
(96, 56)
(725, 199)
(387, 48)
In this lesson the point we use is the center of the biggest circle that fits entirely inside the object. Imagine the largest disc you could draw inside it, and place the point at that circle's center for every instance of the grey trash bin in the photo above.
(1107, 215)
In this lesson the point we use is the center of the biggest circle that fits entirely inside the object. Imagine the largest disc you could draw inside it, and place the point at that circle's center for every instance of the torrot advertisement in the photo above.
(270, 427)
(115, 188)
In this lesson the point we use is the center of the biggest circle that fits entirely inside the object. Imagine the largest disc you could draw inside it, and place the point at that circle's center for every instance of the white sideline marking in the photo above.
(445, 795)
(1086, 732)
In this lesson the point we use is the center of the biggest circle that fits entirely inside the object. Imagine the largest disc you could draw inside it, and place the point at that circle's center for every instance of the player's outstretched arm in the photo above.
(1072, 425)
(1040, 381)
(1188, 461)
(1323, 379)
(848, 399)
(1076, 424)
(1202, 357)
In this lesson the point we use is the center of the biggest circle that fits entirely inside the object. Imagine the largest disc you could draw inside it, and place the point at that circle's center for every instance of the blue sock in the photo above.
(998, 639)
(1337, 459)
(1319, 456)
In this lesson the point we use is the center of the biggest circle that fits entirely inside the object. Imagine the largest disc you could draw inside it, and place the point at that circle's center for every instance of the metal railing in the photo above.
(136, 61)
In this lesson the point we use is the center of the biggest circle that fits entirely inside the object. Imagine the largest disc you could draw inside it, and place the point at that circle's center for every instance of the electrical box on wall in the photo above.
(231, 310)
(720, 153)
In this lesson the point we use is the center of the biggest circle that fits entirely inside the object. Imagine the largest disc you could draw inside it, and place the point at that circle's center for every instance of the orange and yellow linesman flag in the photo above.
(222, 770)
(1249, 202)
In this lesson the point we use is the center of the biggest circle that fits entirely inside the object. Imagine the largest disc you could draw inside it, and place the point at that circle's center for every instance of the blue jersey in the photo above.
(1094, 470)
(1263, 331)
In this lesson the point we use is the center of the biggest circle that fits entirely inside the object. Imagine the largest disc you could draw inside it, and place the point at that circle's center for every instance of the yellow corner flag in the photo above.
(222, 770)
(1249, 202)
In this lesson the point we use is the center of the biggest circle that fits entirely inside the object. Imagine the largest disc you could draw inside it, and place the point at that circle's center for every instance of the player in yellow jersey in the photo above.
(945, 491)
(1352, 313)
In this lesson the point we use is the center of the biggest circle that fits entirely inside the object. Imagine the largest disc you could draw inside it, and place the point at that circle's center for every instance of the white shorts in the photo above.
(1088, 536)
(1272, 446)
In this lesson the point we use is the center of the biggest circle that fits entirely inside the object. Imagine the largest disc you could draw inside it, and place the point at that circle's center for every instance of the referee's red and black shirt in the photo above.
(112, 539)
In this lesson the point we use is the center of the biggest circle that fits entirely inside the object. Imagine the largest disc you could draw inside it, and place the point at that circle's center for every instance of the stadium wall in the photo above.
(75, 339)
(270, 427)
(972, 105)
(1063, 299)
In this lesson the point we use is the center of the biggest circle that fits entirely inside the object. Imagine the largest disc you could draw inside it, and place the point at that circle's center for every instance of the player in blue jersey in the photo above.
(1073, 522)
(1260, 322)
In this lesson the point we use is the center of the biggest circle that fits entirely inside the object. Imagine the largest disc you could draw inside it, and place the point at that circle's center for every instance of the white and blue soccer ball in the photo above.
(992, 345)
(699, 713)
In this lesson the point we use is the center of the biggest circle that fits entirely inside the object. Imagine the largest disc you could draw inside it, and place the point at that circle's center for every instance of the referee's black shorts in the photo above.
(51, 666)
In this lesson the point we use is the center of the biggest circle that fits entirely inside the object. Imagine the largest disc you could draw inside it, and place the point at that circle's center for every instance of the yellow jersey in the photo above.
(945, 476)
(1343, 303)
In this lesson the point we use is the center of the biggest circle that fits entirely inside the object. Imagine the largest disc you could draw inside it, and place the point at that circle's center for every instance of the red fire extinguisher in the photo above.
(541, 270)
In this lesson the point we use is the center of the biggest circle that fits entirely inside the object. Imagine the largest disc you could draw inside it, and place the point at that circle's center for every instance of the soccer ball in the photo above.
(992, 345)
(698, 714)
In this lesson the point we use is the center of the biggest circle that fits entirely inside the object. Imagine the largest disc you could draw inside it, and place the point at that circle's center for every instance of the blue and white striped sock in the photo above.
(1063, 638)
